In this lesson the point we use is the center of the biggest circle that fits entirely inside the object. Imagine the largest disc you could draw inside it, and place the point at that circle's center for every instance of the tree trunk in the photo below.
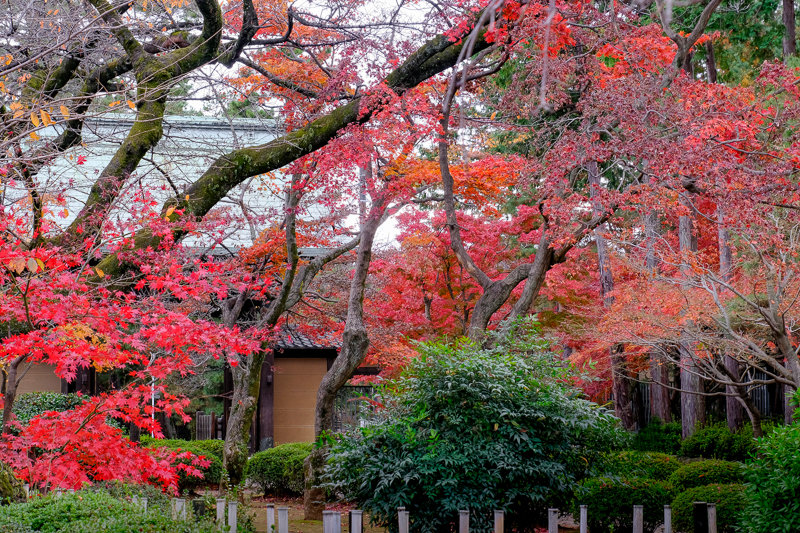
(246, 387)
(692, 402)
(711, 62)
(659, 394)
(789, 30)
(354, 349)
(11, 390)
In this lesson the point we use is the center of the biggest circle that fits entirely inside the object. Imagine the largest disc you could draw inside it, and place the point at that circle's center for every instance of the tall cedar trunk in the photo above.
(244, 401)
(659, 371)
(354, 349)
(789, 30)
(620, 381)
(711, 62)
(733, 407)
(692, 401)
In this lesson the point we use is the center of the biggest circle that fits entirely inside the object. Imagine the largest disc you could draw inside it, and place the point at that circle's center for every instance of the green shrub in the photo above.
(634, 464)
(718, 442)
(208, 449)
(773, 483)
(730, 500)
(707, 472)
(659, 437)
(477, 428)
(279, 469)
(611, 502)
(95, 511)
(32, 404)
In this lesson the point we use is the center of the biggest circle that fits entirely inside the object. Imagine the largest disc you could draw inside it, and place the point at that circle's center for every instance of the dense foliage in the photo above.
(730, 501)
(659, 437)
(279, 469)
(636, 464)
(33, 404)
(773, 483)
(477, 428)
(611, 501)
(208, 450)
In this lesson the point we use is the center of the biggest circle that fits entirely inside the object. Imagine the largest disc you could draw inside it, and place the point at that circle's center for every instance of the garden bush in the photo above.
(707, 472)
(632, 463)
(467, 427)
(279, 469)
(718, 442)
(209, 449)
(773, 483)
(94, 511)
(32, 404)
(611, 502)
(730, 500)
(659, 437)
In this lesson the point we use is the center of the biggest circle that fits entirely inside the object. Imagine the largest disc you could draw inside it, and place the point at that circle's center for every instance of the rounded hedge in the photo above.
(32, 404)
(659, 437)
(611, 501)
(718, 442)
(729, 498)
(707, 472)
(637, 464)
(773, 483)
(279, 469)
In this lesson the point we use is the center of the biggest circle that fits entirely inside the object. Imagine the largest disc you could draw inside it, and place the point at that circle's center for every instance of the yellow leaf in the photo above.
(187, 197)
(34, 136)
(114, 103)
(35, 119)
(170, 210)
(17, 265)
(131, 105)
(18, 114)
(493, 115)
(32, 265)
(64, 112)
(40, 263)
(100, 272)
(46, 120)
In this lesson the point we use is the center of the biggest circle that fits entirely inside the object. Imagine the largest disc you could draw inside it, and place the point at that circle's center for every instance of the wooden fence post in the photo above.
(283, 520)
(700, 517)
(220, 511)
(270, 518)
(552, 520)
(638, 519)
(712, 518)
(402, 520)
(499, 521)
(331, 522)
(463, 521)
(178, 508)
(584, 524)
(667, 519)
(356, 521)
(232, 518)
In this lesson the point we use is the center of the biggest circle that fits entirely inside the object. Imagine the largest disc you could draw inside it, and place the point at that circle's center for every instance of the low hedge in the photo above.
(95, 511)
(638, 464)
(209, 449)
(719, 442)
(729, 498)
(32, 404)
(279, 469)
(707, 472)
(611, 502)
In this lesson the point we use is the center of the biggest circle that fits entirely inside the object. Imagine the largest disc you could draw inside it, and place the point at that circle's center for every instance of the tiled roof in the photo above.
(291, 339)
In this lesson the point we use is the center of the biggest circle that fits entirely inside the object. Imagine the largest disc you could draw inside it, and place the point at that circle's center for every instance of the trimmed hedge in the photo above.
(773, 483)
(730, 500)
(718, 442)
(611, 502)
(210, 449)
(659, 437)
(279, 469)
(707, 472)
(637, 464)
